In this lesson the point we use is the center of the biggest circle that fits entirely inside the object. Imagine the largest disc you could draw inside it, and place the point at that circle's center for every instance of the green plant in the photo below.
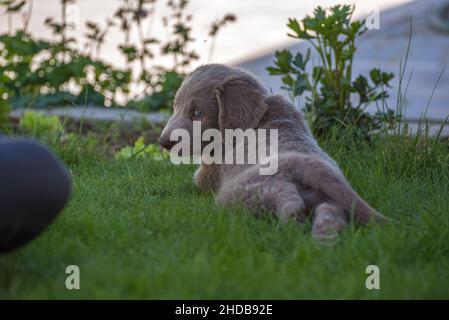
(330, 85)
(4, 110)
(44, 73)
(160, 83)
(216, 26)
(141, 150)
(39, 124)
(14, 7)
(50, 130)
(38, 73)
(73, 148)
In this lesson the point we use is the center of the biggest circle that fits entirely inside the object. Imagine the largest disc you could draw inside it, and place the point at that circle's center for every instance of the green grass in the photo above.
(140, 229)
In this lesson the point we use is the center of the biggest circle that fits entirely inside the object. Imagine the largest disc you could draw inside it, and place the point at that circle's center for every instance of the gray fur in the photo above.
(307, 178)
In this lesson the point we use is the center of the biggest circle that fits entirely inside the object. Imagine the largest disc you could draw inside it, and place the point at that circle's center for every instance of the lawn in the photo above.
(139, 229)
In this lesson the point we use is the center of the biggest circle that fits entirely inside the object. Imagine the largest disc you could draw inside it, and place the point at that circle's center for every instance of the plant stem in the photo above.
(27, 18)
(9, 22)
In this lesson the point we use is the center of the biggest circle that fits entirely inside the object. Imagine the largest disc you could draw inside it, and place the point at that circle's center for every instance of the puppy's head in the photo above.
(218, 96)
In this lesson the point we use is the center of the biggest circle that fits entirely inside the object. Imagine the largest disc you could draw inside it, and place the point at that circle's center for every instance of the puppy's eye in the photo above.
(197, 114)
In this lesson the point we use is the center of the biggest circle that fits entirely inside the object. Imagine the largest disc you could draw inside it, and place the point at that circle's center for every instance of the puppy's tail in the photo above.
(315, 173)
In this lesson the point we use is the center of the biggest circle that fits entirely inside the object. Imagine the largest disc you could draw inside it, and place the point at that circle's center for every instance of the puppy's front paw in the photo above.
(294, 209)
(204, 179)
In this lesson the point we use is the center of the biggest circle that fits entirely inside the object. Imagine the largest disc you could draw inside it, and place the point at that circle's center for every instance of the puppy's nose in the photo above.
(166, 143)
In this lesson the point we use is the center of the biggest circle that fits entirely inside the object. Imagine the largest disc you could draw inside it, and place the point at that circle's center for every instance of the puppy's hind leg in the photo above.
(329, 219)
(288, 203)
(262, 195)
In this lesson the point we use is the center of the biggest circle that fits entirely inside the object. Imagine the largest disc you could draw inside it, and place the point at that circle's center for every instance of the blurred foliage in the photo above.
(4, 110)
(70, 146)
(41, 73)
(139, 149)
(332, 35)
(38, 124)
(38, 73)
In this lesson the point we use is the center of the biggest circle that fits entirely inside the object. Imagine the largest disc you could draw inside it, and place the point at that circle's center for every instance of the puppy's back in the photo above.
(294, 133)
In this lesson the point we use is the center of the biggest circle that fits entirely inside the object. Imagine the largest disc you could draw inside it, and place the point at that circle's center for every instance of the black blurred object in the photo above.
(34, 188)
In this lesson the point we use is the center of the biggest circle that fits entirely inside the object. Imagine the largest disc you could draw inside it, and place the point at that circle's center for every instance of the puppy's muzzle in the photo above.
(166, 143)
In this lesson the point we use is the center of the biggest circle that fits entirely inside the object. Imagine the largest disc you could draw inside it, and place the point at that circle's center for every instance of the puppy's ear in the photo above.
(240, 102)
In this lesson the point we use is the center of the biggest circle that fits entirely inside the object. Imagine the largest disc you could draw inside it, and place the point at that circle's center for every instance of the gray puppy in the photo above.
(307, 179)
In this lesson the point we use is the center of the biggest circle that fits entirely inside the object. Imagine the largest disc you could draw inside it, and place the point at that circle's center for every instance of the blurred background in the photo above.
(150, 45)
(261, 25)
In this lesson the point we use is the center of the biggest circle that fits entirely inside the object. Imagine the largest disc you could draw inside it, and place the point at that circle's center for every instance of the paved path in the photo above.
(100, 113)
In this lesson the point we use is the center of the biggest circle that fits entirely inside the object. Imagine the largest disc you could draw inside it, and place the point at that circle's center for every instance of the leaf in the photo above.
(283, 60)
(287, 80)
(274, 71)
(300, 61)
(300, 85)
(317, 73)
(293, 24)
(375, 76)
(386, 77)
